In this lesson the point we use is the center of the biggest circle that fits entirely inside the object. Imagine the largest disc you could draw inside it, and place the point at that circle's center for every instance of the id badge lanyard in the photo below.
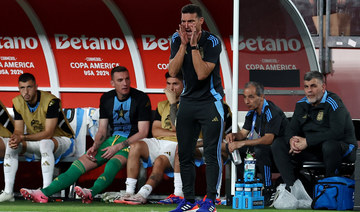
(254, 121)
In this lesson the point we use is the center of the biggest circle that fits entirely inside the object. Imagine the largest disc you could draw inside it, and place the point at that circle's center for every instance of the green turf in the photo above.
(77, 206)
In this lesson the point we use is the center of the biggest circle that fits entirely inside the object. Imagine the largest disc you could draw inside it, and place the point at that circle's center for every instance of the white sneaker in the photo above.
(6, 197)
(122, 197)
(136, 199)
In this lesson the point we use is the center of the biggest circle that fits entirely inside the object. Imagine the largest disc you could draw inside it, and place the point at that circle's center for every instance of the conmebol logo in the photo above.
(268, 44)
(18, 43)
(63, 41)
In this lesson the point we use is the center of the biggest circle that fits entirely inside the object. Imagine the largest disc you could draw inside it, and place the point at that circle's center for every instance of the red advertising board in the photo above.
(86, 40)
(20, 48)
(152, 31)
(270, 43)
(271, 48)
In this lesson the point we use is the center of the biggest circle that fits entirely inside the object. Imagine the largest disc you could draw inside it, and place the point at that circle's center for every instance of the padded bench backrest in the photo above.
(78, 121)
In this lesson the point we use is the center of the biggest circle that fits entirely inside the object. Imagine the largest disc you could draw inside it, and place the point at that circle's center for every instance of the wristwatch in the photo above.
(194, 47)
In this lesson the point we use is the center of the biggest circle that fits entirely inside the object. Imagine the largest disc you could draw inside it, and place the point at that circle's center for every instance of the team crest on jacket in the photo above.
(37, 125)
(51, 103)
(320, 115)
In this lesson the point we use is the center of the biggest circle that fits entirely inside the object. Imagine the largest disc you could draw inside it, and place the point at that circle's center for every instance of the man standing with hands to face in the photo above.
(196, 53)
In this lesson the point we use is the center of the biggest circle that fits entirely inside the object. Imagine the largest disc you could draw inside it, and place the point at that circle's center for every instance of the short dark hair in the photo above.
(117, 69)
(179, 75)
(314, 74)
(259, 88)
(26, 77)
(192, 8)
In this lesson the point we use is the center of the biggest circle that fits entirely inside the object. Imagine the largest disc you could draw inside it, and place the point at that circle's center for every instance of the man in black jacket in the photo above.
(321, 126)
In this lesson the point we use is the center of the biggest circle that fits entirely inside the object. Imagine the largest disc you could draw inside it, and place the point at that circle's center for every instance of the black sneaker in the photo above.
(269, 195)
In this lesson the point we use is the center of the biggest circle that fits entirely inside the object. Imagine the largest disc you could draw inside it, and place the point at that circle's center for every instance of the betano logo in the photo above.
(63, 41)
(150, 42)
(18, 43)
(268, 44)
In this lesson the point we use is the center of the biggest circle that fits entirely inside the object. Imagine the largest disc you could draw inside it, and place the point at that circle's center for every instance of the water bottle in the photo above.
(257, 188)
(249, 168)
(239, 188)
(248, 189)
(236, 157)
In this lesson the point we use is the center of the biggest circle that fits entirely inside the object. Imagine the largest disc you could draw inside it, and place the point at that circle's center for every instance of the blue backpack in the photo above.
(334, 193)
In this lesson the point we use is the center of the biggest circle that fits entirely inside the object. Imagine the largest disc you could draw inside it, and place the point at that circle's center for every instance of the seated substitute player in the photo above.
(48, 132)
(6, 129)
(157, 152)
(127, 111)
(264, 124)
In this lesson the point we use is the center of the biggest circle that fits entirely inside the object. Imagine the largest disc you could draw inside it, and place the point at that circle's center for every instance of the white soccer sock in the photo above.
(11, 162)
(145, 191)
(130, 185)
(178, 185)
(47, 161)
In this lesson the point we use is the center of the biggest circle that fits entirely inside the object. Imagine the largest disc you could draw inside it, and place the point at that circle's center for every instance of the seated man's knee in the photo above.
(121, 158)
(138, 149)
(279, 145)
(275, 145)
(261, 149)
(137, 145)
(46, 145)
(10, 151)
(263, 153)
(331, 148)
(161, 162)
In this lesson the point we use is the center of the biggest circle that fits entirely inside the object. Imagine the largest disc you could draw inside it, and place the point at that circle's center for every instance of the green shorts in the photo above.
(110, 142)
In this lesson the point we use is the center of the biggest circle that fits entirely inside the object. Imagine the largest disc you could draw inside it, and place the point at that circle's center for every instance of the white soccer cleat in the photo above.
(122, 197)
(6, 197)
(136, 199)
